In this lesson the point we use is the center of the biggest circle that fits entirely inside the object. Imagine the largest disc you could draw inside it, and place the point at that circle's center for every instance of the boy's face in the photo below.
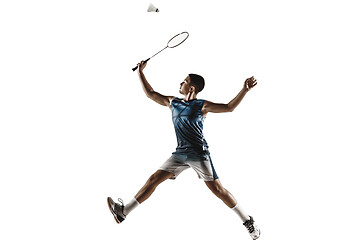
(185, 86)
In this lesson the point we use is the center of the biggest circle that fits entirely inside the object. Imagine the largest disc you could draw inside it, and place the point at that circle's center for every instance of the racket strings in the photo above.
(177, 40)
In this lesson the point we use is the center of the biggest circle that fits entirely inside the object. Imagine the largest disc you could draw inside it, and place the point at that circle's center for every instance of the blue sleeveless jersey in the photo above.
(188, 124)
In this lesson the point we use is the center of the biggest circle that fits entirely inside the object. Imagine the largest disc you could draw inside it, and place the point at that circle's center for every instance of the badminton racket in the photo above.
(172, 43)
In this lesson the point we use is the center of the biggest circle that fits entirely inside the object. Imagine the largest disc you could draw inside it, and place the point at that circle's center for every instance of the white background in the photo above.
(76, 127)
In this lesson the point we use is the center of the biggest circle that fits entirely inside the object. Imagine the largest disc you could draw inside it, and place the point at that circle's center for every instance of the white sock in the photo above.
(130, 206)
(238, 210)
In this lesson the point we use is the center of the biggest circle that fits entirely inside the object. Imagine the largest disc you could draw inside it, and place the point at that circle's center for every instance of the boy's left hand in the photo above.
(250, 83)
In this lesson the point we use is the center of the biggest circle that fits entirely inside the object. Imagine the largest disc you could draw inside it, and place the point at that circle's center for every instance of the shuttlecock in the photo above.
(152, 8)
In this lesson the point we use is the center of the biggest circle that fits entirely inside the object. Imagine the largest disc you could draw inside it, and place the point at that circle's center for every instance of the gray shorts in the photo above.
(203, 166)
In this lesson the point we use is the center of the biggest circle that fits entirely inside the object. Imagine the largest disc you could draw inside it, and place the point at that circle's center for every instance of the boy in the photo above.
(188, 115)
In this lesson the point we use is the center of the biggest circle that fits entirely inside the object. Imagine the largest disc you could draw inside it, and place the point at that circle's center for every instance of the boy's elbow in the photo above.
(230, 108)
(149, 93)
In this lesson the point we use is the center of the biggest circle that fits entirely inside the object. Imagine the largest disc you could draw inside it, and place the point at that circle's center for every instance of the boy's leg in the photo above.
(149, 187)
(121, 211)
(222, 193)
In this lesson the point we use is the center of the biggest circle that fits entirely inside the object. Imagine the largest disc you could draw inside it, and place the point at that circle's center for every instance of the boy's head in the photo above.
(192, 83)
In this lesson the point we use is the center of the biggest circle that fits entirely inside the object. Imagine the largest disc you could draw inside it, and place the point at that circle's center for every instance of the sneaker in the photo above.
(116, 209)
(252, 228)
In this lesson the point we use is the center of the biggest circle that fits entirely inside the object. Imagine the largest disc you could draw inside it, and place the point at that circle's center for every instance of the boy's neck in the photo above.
(190, 96)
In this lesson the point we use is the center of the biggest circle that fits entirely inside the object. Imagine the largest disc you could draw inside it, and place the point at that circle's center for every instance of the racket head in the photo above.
(177, 39)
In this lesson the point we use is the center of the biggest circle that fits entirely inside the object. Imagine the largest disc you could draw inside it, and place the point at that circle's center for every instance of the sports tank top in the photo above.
(188, 124)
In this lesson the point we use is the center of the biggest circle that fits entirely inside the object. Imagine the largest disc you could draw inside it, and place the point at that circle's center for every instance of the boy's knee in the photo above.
(217, 189)
(152, 179)
(156, 178)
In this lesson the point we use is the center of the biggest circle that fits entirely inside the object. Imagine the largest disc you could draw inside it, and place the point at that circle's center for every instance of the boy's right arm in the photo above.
(149, 91)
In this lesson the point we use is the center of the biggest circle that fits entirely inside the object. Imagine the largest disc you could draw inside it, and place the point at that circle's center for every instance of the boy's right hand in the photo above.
(141, 65)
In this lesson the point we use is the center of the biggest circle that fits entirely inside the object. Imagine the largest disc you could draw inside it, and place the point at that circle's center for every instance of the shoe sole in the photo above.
(259, 234)
(110, 209)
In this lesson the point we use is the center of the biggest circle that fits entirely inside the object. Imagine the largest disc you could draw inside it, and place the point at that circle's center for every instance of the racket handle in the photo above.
(134, 69)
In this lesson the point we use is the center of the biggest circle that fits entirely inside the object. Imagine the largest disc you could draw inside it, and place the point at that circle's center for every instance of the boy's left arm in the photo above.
(220, 108)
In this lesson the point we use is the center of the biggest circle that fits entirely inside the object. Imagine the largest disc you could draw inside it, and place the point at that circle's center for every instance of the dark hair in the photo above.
(197, 81)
